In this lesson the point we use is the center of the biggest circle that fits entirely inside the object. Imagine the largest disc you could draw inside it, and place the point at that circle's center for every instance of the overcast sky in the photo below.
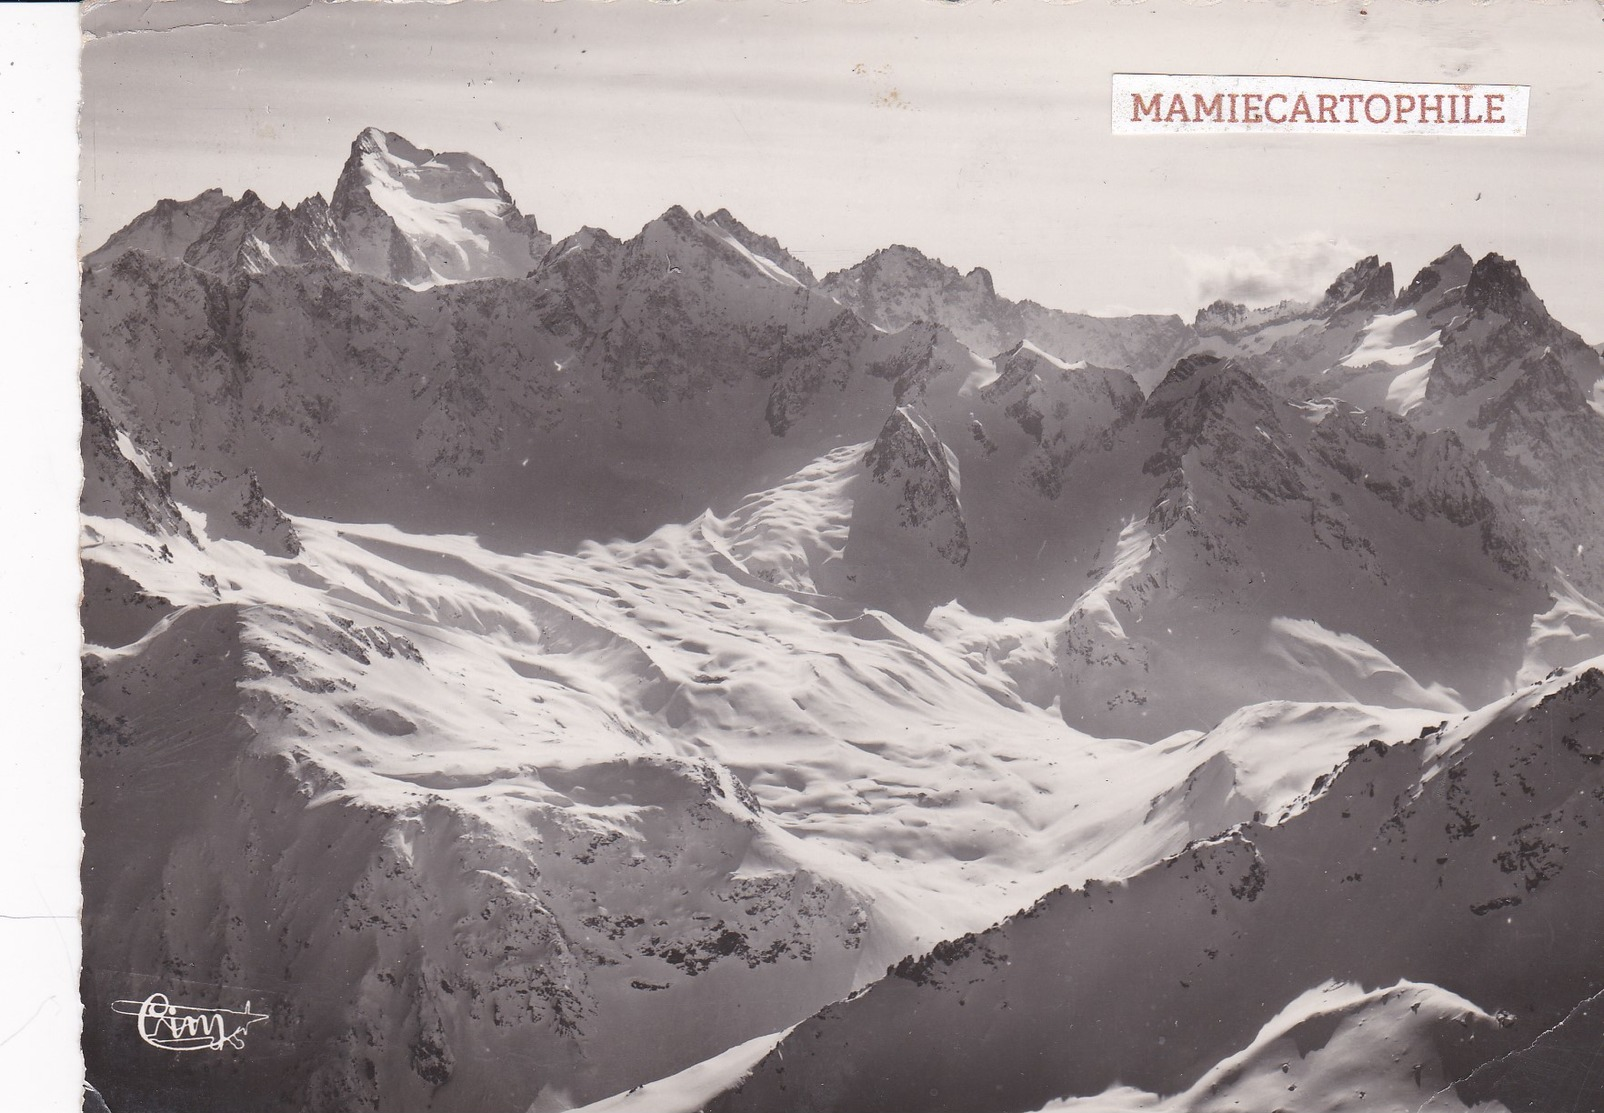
(978, 132)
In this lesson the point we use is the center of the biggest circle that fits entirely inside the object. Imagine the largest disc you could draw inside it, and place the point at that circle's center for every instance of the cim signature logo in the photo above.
(186, 1028)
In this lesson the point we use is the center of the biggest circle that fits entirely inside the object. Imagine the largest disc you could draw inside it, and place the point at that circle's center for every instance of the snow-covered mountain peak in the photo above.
(898, 285)
(1190, 377)
(1367, 286)
(1229, 318)
(1363, 289)
(374, 140)
(764, 247)
(908, 537)
(1497, 322)
(411, 215)
(869, 675)
(1435, 281)
(680, 239)
(1495, 285)
(166, 229)
(383, 159)
(399, 212)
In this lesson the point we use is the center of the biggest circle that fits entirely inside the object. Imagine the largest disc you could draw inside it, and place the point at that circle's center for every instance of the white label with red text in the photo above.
(1165, 104)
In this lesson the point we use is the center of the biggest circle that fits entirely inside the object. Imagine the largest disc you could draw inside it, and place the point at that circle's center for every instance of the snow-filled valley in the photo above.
(638, 674)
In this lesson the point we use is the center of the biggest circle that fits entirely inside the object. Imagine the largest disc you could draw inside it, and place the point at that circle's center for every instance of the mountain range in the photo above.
(500, 650)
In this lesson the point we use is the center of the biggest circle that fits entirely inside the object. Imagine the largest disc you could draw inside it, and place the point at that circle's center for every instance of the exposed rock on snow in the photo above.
(1438, 281)
(249, 238)
(237, 509)
(121, 480)
(166, 230)
(1159, 983)
(586, 793)
(907, 537)
(399, 212)
(1466, 348)
(899, 285)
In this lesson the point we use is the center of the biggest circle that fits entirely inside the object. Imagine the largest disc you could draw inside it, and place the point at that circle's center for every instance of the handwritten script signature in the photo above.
(186, 1028)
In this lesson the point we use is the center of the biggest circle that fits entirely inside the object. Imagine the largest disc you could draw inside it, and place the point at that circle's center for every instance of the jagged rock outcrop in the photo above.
(766, 248)
(236, 508)
(249, 238)
(121, 480)
(1294, 345)
(1366, 287)
(1360, 291)
(1501, 321)
(1242, 486)
(899, 285)
(1520, 389)
(166, 230)
(907, 539)
(1467, 348)
(1441, 279)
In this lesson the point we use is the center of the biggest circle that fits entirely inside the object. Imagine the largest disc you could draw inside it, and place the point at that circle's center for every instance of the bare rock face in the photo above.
(1521, 389)
(764, 247)
(121, 480)
(1465, 348)
(166, 230)
(1243, 485)
(908, 539)
(249, 238)
(237, 509)
(1502, 321)
(899, 285)
(1443, 278)
(1366, 287)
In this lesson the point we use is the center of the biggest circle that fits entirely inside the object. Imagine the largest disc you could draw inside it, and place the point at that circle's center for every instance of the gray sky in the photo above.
(978, 132)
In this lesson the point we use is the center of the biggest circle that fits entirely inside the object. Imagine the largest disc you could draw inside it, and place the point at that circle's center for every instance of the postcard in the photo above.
(901, 556)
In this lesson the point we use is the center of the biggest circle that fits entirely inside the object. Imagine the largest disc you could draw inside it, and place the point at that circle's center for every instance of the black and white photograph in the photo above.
(896, 557)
